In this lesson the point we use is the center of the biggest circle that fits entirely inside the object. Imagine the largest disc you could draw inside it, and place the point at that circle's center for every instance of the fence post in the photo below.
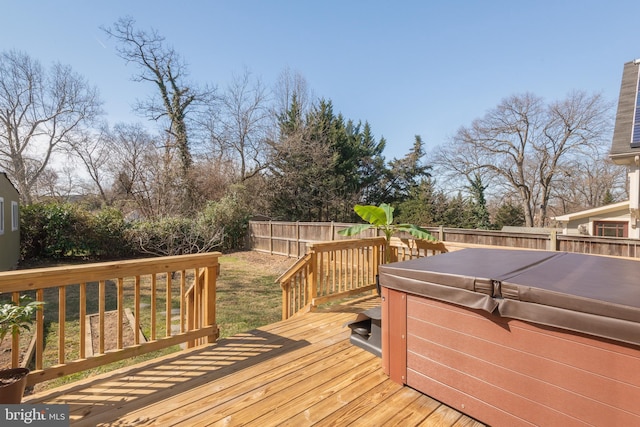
(270, 238)
(553, 240)
(441, 232)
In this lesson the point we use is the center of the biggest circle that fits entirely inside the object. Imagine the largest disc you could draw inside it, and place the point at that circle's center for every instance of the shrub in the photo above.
(64, 230)
(175, 236)
(109, 236)
(54, 230)
(231, 214)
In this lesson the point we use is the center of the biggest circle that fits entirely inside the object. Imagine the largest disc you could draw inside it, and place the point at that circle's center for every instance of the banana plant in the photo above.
(381, 218)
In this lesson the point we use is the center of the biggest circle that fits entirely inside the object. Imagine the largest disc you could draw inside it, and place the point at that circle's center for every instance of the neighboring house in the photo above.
(619, 219)
(606, 221)
(9, 224)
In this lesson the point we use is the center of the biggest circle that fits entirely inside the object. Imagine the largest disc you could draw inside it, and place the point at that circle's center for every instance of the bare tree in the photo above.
(41, 111)
(175, 98)
(142, 178)
(523, 144)
(588, 182)
(292, 85)
(94, 152)
(244, 125)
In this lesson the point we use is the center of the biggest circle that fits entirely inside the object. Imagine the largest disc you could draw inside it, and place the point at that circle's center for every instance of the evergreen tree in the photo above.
(459, 213)
(372, 169)
(322, 166)
(405, 174)
(421, 206)
(509, 215)
(479, 211)
(608, 198)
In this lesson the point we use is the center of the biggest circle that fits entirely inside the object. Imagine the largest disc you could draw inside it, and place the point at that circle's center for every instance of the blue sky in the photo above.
(407, 67)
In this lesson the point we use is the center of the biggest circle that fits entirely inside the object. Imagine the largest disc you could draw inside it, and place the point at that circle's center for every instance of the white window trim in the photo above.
(1, 215)
(15, 216)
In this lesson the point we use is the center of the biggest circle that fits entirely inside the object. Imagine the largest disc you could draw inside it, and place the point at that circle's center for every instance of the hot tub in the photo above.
(517, 337)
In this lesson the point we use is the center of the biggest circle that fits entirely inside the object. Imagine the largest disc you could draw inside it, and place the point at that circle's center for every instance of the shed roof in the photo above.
(593, 211)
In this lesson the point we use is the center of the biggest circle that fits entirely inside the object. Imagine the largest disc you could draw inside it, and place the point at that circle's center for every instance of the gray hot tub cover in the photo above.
(590, 294)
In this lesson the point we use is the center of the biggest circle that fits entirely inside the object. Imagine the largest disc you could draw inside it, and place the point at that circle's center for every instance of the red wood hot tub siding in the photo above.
(508, 372)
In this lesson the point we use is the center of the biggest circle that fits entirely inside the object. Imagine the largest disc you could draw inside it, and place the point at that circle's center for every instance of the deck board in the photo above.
(301, 371)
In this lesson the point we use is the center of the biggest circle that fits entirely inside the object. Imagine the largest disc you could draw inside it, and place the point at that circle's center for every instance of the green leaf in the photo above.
(354, 229)
(415, 231)
(374, 215)
(388, 212)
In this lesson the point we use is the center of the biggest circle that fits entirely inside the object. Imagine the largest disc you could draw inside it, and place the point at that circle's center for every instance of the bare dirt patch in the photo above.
(110, 332)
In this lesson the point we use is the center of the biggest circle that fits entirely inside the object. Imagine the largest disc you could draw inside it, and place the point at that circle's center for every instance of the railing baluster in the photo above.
(183, 285)
(120, 311)
(351, 250)
(168, 304)
(15, 339)
(40, 331)
(153, 307)
(334, 268)
(101, 301)
(82, 313)
(62, 313)
(136, 305)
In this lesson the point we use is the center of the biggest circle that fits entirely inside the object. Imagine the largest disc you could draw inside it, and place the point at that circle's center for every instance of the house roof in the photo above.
(622, 151)
(593, 211)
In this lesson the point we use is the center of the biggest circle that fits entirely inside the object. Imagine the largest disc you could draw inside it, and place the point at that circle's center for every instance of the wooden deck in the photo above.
(302, 371)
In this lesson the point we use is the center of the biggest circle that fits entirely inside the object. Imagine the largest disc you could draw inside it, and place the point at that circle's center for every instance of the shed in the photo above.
(9, 224)
(612, 220)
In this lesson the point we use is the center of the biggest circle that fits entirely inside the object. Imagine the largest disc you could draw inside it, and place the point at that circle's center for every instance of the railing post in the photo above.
(210, 299)
(312, 278)
(376, 261)
(286, 299)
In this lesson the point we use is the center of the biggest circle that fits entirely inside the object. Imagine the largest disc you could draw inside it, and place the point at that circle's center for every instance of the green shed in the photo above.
(9, 224)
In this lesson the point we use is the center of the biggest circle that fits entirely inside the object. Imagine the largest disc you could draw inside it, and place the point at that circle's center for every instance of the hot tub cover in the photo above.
(590, 294)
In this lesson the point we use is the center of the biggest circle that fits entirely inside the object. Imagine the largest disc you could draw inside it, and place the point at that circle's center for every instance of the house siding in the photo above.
(10, 237)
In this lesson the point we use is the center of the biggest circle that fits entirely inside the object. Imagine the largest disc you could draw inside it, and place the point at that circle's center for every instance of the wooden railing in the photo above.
(337, 269)
(156, 302)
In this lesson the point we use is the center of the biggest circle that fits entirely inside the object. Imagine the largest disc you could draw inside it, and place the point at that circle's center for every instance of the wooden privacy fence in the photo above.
(172, 300)
(337, 269)
(291, 239)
